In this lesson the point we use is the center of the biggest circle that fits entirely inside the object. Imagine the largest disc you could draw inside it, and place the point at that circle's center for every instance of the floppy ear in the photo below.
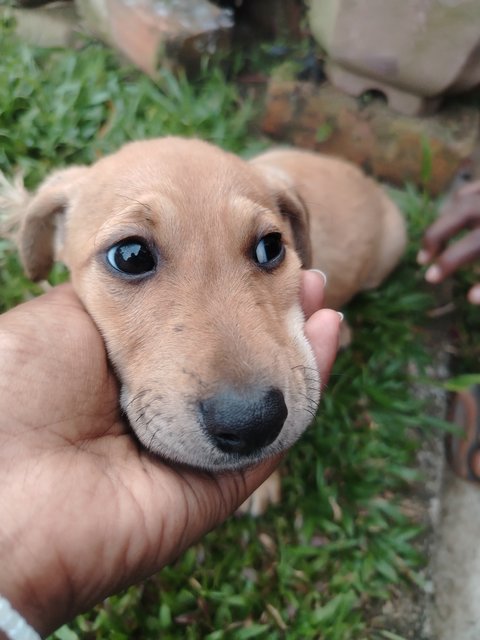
(290, 203)
(42, 220)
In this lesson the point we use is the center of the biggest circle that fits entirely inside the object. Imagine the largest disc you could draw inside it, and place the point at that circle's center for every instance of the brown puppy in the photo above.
(188, 259)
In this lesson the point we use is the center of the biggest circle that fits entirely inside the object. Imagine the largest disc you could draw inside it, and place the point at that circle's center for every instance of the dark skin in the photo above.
(442, 249)
(85, 511)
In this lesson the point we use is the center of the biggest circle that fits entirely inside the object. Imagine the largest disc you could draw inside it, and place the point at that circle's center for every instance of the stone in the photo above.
(414, 51)
(51, 26)
(159, 33)
(427, 151)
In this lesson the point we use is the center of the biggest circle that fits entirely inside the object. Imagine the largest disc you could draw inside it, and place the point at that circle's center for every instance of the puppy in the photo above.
(188, 260)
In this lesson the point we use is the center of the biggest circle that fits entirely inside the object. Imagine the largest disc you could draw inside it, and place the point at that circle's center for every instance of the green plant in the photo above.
(64, 107)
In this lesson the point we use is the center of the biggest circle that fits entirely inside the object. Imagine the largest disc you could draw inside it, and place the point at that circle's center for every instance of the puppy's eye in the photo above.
(269, 251)
(132, 257)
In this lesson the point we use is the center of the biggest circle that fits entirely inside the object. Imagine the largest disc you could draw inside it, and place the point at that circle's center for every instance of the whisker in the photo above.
(137, 396)
(304, 367)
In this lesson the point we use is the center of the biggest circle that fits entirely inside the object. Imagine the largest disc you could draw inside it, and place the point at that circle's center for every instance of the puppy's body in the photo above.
(208, 345)
(357, 234)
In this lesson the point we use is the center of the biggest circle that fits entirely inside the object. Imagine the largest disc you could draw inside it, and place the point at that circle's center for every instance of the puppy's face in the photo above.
(185, 258)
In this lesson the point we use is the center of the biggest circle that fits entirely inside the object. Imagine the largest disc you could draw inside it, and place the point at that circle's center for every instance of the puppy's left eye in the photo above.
(269, 251)
(131, 257)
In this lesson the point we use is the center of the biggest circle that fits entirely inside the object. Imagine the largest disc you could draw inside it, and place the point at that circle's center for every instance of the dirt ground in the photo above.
(448, 607)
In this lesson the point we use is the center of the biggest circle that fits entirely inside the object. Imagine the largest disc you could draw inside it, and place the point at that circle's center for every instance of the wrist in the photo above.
(32, 577)
(17, 587)
(13, 626)
(28, 575)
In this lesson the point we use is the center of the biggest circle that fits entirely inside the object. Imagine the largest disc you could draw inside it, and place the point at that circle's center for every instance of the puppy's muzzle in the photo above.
(243, 422)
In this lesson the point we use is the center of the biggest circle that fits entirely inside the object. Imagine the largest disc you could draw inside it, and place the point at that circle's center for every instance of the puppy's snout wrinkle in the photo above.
(243, 422)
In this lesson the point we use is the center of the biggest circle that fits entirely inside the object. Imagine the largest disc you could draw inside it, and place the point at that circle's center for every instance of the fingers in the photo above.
(461, 253)
(461, 212)
(312, 291)
(323, 325)
(322, 330)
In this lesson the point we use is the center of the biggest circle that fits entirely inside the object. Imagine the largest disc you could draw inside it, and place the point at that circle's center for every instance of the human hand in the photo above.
(85, 511)
(461, 212)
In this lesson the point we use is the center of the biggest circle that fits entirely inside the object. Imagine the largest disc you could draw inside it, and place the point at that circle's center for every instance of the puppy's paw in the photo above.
(345, 338)
(267, 493)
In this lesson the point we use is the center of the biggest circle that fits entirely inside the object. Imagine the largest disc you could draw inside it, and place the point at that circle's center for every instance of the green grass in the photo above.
(340, 544)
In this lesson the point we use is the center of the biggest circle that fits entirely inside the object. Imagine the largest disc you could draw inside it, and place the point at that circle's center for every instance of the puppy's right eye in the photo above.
(269, 251)
(132, 257)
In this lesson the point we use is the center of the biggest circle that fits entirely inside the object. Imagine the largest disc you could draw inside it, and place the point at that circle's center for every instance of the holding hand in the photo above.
(85, 510)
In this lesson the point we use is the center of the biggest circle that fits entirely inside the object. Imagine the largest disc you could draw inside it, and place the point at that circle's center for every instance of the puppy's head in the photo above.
(188, 259)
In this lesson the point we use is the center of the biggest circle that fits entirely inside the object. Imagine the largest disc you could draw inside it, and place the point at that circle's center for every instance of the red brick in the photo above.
(392, 147)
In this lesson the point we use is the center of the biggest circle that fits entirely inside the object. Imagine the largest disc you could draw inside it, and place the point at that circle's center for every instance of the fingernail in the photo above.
(433, 274)
(322, 274)
(341, 315)
(422, 256)
(474, 294)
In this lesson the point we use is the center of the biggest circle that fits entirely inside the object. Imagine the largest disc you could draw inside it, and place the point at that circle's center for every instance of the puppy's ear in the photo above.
(42, 220)
(290, 204)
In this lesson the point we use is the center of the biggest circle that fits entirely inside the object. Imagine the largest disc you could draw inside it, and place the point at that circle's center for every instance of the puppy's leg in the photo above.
(267, 493)
(345, 337)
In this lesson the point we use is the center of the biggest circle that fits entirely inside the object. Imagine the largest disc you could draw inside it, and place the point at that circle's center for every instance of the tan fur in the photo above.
(357, 233)
(14, 199)
(209, 317)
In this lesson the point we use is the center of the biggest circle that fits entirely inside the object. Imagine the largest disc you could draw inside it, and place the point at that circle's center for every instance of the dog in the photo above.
(188, 259)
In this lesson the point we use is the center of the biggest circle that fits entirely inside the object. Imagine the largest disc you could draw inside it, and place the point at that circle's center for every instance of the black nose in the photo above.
(242, 422)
